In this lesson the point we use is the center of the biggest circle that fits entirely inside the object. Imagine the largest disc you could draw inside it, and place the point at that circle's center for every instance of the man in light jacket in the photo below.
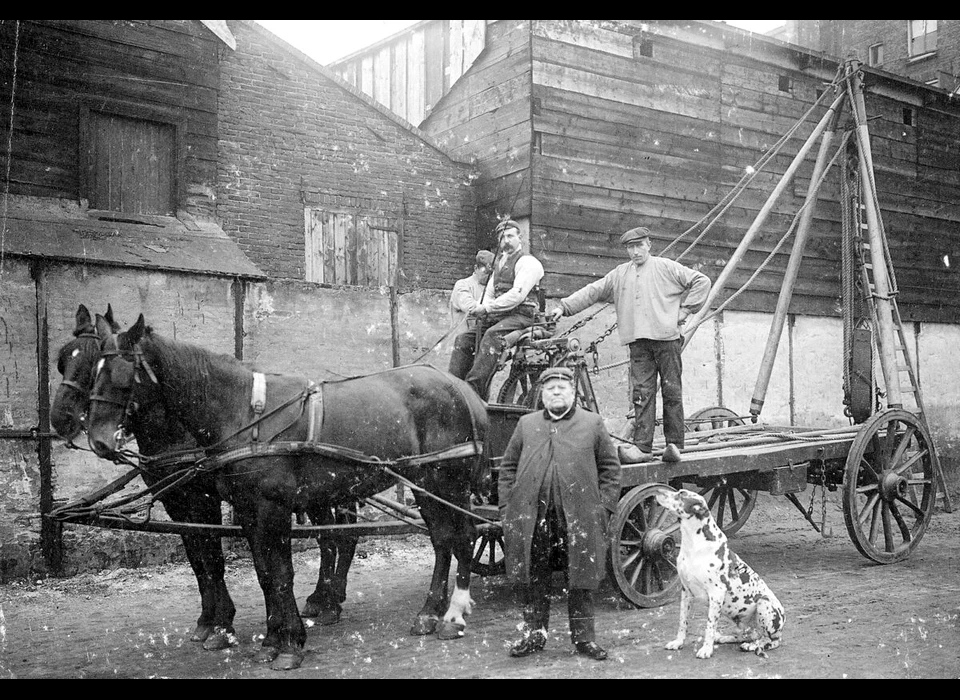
(653, 298)
(467, 295)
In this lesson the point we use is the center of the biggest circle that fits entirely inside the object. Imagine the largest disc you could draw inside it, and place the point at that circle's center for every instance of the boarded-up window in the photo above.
(349, 248)
(130, 164)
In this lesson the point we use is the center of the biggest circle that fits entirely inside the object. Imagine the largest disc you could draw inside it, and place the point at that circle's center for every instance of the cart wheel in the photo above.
(889, 488)
(519, 389)
(712, 418)
(488, 557)
(644, 544)
(731, 506)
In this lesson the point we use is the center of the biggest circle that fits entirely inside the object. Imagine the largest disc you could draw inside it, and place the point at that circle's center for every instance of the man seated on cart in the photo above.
(467, 294)
(511, 303)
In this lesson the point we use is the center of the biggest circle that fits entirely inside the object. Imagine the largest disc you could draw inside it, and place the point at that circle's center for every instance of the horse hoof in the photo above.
(449, 631)
(310, 610)
(220, 640)
(424, 626)
(287, 662)
(201, 634)
(328, 618)
(267, 655)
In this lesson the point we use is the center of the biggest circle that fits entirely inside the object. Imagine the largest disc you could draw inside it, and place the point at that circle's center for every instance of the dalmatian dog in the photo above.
(710, 572)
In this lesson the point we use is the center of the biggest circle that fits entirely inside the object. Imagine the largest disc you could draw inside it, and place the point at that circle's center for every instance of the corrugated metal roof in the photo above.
(111, 238)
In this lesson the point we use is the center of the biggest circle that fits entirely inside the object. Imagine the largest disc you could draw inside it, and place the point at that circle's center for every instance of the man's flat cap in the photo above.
(635, 235)
(485, 258)
(506, 224)
(556, 373)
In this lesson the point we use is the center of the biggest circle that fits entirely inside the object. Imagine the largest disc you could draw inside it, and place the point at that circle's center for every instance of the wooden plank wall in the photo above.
(411, 72)
(166, 64)
(486, 117)
(625, 139)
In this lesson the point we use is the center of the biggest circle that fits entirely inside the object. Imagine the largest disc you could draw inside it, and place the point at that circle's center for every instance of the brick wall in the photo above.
(840, 37)
(292, 136)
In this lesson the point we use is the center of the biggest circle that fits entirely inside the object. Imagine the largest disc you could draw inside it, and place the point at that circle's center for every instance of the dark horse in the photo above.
(159, 436)
(299, 453)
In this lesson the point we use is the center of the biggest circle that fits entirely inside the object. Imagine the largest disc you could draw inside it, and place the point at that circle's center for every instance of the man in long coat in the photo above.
(559, 484)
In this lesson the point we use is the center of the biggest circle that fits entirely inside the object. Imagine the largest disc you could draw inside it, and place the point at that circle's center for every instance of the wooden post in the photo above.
(886, 339)
(51, 533)
(395, 325)
(738, 255)
(239, 289)
(793, 269)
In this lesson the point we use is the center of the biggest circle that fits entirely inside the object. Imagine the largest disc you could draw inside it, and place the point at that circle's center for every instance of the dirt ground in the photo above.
(846, 618)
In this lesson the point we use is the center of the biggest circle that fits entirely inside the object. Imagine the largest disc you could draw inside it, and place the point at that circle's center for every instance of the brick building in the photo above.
(924, 50)
(305, 157)
(207, 175)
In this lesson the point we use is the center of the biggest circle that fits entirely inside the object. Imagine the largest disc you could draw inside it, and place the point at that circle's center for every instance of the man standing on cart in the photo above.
(559, 485)
(653, 297)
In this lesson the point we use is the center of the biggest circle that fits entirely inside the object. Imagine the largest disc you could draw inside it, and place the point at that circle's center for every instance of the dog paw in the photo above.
(675, 645)
(705, 653)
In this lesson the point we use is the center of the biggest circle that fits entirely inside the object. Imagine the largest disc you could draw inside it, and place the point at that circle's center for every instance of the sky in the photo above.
(326, 40)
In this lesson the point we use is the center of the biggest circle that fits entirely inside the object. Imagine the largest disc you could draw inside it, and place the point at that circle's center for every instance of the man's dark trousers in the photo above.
(494, 329)
(461, 359)
(651, 360)
(551, 532)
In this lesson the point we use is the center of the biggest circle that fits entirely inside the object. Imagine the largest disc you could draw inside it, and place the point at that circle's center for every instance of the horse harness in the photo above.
(70, 384)
(209, 460)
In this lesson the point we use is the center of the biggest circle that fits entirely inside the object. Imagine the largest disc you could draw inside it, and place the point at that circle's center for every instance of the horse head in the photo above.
(121, 376)
(75, 362)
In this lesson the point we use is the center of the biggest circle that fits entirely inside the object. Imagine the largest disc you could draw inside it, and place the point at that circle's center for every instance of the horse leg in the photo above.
(205, 554)
(460, 540)
(346, 550)
(323, 603)
(269, 536)
(429, 616)
(337, 551)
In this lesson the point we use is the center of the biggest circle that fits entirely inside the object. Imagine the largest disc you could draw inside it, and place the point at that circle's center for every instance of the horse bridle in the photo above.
(129, 406)
(70, 384)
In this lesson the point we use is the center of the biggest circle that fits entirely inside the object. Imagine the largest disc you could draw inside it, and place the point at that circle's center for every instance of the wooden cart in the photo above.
(885, 463)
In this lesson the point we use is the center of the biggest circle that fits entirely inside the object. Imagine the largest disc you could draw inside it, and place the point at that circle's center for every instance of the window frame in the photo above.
(315, 266)
(875, 50)
(911, 40)
(167, 117)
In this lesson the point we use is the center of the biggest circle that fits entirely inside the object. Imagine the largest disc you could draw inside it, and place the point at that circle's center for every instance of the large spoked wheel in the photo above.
(488, 557)
(889, 488)
(644, 544)
(712, 418)
(519, 389)
(731, 506)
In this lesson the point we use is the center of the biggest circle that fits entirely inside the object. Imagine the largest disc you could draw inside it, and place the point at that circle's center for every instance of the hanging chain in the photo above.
(594, 348)
(823, 501)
